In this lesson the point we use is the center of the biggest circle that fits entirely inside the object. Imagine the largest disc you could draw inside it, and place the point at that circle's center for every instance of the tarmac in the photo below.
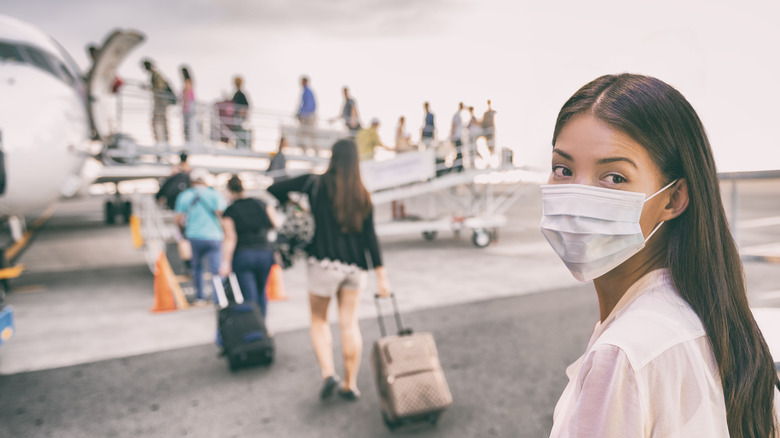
(89, 359)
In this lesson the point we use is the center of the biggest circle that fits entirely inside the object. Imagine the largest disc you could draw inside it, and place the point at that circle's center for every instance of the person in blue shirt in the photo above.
(307, 116)
(198, 211)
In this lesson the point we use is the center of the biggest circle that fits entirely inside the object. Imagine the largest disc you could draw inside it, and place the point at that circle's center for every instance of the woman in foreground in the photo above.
(633, 203)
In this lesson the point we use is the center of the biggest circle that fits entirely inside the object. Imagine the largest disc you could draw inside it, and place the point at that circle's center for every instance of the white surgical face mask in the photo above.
(593, 229)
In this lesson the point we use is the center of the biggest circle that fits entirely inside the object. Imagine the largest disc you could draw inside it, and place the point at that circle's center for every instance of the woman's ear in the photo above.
(678, 200)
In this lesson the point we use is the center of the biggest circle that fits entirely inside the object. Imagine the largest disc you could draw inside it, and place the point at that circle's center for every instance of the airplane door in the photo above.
(101, 97)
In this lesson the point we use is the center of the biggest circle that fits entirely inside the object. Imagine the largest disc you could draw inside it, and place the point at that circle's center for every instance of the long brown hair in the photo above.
(702, 257)
(351, 200)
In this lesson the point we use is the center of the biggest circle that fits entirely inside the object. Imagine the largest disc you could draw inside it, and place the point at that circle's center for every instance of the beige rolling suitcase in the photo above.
(410, 380)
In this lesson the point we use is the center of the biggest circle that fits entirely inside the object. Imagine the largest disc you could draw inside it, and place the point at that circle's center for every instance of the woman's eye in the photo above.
(616, 179)
(561, 171)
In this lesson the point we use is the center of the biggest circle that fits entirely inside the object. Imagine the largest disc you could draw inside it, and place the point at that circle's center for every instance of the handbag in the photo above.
(297, 230)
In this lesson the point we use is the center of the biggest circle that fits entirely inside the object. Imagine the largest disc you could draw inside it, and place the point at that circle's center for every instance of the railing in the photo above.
(157, 227)
(734, 220)
(214, 124)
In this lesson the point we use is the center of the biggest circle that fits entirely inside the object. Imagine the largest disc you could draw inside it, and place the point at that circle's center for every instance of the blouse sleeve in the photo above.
(281, 189)
(370, 239)
(608, 404)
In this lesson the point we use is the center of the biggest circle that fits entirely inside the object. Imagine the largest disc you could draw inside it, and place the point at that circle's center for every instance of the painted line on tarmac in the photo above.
(15, 250)
(30, 289)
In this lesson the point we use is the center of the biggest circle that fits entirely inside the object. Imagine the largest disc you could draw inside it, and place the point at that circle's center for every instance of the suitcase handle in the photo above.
(398, 323)
(219, 289)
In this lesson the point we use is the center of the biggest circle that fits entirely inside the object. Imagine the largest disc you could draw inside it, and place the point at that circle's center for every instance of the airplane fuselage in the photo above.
(44, 125)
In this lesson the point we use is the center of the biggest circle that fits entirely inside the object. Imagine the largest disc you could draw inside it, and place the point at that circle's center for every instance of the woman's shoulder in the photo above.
(247, 204)
(655, 323)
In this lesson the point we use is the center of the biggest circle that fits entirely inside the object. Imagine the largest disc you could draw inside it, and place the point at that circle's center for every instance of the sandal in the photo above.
(328, 386)
(349, 394)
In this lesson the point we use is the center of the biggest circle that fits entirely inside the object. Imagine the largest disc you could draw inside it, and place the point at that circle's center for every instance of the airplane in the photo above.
(53, 120)
(52, 117)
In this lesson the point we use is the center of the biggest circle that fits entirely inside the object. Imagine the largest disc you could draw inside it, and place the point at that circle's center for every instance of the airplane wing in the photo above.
(118, 173)
(102, 80)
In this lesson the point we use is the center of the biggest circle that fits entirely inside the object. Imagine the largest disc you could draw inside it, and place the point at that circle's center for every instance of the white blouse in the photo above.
(648, 371)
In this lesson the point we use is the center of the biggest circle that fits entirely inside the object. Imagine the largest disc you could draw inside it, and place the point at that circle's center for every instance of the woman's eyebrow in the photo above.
(615, 159)
(563, 154)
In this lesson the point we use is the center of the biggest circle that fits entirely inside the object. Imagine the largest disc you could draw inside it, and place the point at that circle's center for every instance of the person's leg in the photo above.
(156, 131)
(165, 125)
(351, 338)
(243, 268)
(265, 259)
(309, 125)
(459, 155)
(186, 120)
(198, 249)
(214, 257)
(321, 338)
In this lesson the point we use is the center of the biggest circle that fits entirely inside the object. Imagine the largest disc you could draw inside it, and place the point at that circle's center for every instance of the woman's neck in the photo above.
(611, 286)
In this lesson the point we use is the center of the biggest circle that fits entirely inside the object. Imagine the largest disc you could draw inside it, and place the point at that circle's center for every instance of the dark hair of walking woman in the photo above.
(351, 200)
(702, 256)
(235, 185)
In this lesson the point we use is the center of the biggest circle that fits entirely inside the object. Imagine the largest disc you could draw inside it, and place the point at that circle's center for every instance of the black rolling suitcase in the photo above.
(409, 377)
(244, 337)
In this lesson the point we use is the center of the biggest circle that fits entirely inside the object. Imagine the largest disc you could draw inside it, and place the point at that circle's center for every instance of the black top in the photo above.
(252, 223)
(171, 188)
(347, 111)
(239, 98)
(329, 242)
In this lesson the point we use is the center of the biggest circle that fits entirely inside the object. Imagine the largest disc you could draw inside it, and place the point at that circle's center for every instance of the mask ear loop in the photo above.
(654, 230)
(664, 188)
(650, 197)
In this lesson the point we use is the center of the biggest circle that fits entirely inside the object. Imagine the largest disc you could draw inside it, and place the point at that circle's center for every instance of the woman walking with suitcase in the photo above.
(245, 249)
(338, 263)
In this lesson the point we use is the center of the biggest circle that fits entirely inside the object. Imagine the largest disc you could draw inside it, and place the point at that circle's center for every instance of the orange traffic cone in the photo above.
(274, 287)
(166, 288)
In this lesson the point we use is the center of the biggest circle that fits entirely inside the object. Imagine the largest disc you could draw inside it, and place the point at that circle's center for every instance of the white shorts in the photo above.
(326, 277)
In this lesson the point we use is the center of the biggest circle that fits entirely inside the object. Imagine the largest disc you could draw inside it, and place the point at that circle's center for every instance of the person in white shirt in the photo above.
(633, 204)
(456, 133)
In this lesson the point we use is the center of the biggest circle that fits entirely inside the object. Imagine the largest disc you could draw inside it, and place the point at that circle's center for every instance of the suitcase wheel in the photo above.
(431, 418)
(390, 424)
(232, 365)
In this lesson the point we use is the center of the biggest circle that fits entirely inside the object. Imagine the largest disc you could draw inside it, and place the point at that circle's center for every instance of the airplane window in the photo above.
(65, 73)
(10, 52)
(43, 60)
(39, 59)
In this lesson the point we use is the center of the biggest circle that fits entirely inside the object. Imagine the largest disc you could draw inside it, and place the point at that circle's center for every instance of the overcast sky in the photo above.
(528, 57)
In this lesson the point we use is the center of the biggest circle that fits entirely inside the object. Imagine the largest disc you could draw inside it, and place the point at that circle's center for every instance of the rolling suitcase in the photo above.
(241, 327)
(409, 377)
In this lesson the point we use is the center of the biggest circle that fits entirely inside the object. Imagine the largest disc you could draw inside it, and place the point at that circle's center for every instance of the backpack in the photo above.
(170, 96)
(297, 229)
(171, 188)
